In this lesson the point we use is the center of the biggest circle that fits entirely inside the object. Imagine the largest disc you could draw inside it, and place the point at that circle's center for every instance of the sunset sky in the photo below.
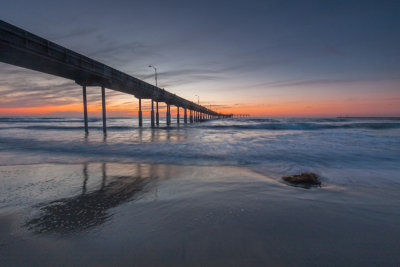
(265, 58)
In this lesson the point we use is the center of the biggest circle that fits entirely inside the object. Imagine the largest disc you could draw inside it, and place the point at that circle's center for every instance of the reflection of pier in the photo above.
(91, 207)
(24, 49)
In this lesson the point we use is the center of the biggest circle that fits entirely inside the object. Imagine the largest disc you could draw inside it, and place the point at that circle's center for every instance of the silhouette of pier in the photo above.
(24, 49)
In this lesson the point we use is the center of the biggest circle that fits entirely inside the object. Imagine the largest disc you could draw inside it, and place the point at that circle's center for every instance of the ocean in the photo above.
(206, 193)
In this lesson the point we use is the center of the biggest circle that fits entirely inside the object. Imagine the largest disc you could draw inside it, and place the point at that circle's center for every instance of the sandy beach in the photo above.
(103, 214)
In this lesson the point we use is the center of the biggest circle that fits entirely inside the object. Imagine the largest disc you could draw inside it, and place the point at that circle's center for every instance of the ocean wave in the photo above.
(45, 119)
(272, 126)
(68, 128)
(281, 153)
(307, 126)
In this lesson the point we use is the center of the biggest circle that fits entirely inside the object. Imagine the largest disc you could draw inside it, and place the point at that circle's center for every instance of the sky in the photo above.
(264, 58)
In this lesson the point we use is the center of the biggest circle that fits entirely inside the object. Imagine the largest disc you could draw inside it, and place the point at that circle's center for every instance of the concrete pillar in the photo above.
(168, 114)
(191, 116)
(103, 102)
(152, 113)
(85, 116)
(140, 113)
(177, 114)
(157, 116)
(185, 116)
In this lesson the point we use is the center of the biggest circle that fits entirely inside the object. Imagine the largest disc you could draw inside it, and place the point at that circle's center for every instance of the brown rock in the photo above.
(305, 179)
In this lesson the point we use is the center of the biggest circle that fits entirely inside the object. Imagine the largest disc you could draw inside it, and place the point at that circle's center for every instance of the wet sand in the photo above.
(102, 214)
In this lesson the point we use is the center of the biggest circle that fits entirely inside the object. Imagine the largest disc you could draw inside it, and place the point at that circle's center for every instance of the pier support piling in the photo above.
(168, 114)
(85, 115)
(191, 116)
(140, 113)
(185, 115)
(103, 104)
(152, 113)
(157, 115)
(177, 114)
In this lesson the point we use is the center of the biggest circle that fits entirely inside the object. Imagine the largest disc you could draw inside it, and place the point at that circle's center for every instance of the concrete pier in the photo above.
(103, 105)
(140, 113)
(27, 50)
(85, 116)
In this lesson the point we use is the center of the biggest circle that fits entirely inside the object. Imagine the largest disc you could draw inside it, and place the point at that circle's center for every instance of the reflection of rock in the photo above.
(87, 210)
(305, 179)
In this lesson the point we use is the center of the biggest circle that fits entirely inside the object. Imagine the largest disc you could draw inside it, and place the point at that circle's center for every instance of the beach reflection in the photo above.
(91, 207)
(162, 134)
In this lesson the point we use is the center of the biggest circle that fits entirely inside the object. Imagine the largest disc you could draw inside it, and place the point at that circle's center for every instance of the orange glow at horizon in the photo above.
(318, 108)
(277, 108)
(46, 110)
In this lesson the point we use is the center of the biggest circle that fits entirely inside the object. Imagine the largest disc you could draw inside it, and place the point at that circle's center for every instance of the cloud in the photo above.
(121, 53)
(25, 88)
(72, 34)
(322, 82)
(333, 51)
(177, 77)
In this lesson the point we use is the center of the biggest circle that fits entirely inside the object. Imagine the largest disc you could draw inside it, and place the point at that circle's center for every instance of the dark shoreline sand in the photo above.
(102, 214)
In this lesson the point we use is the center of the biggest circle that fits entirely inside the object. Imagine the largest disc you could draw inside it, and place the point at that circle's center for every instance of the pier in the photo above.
(24, 49)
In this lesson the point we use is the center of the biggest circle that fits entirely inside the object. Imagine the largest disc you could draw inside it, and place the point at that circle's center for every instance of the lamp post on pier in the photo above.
(152, 105)
(155, 72)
